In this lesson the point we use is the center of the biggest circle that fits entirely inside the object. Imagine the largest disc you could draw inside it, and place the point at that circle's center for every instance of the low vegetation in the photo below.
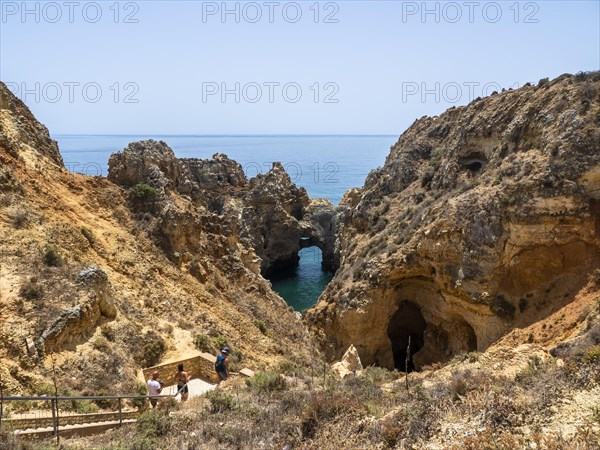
(31, 290)
(210, 344)
(88, 234)
(142, 191)
(151, 348)
(452, 407)
(52, 255)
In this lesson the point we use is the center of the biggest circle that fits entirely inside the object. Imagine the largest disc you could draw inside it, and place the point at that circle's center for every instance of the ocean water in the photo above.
(300, 287)
(327, 166)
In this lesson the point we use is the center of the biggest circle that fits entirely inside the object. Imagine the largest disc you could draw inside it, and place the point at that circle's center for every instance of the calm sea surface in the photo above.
(327, 166)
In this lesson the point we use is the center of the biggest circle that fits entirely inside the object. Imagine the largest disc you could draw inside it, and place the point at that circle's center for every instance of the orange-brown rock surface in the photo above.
(483, 220)
(111, 275)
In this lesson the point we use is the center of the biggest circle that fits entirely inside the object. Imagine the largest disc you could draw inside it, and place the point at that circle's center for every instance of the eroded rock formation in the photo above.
(273, 208)
(170, 264)
(320, 225)
(350, 365)
(267, 211)
(75, 324)
(21, 135)
(482, 219)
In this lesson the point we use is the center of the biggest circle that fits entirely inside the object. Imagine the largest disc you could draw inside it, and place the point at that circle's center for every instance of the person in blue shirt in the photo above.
(222, 364)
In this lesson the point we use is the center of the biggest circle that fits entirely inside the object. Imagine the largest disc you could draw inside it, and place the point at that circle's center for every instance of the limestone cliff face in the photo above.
(21, 135)
(483, 219)
(79, 322)
(112, 275)
(265, 211)
(273, 207)
(320, 224)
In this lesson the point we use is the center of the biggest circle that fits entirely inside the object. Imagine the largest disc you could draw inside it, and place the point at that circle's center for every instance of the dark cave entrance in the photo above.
(406, 322)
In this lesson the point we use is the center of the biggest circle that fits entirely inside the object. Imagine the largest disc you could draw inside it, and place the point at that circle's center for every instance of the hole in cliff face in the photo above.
(406, 322)
(474, 162)
(301, 286)
(474, 166)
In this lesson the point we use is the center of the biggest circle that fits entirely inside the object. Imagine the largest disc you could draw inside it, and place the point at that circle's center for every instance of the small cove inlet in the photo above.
(302, 285)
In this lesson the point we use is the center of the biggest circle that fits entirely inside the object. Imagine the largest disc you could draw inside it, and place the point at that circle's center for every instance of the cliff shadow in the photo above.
(406, 330)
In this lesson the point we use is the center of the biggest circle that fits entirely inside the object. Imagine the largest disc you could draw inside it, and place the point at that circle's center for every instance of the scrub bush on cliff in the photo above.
(142, 191)
(52, 256)
(144, 197)
(151, 351)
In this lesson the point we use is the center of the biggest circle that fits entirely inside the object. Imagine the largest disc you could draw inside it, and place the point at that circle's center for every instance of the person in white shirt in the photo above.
(154, 388)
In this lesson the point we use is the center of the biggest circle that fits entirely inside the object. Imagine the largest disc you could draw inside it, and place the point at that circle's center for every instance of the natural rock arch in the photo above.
(319, 227)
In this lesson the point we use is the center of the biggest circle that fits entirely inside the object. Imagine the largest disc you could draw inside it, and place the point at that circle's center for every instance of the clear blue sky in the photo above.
(377, 59)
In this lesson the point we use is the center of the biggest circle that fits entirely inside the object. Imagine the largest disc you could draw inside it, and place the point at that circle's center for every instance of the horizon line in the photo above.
(218, 135)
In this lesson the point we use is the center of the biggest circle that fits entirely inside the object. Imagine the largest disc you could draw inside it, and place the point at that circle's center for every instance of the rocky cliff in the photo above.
(265, 211)
(483, 220)
(106, 276)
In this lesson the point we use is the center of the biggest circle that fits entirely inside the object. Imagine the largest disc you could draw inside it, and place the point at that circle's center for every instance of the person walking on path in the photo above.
(222, 364)
(181, 377)
(154, 388)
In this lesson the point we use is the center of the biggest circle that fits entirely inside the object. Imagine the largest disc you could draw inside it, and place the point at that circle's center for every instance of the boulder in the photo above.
(75, 324)
(349, 365)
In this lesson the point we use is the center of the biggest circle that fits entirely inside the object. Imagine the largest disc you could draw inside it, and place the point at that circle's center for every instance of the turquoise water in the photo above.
(327, 166)
(301, 287)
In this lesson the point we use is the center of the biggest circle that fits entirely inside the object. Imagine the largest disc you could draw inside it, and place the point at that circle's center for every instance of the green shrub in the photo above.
(101, 344)
(380, 374)
(220, 401)
(140, 402)
(88, 234)
(363, 388)
(261, 326)
(151, 350)
(202, 343)
(212, 344)
(142, 191)
(266, 382)
(219, 341)
(435, 158)
(154, 423)
(20, 405)
(290, 368)
(105, 403)
(78, 406)
(52, 256)
(593, 354)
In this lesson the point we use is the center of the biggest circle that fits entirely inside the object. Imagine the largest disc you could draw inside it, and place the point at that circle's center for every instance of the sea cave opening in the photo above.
(407, 322)
(301, 286)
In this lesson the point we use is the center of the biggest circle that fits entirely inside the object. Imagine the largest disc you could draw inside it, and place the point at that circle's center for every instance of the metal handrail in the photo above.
(88, 397)
(54, 399)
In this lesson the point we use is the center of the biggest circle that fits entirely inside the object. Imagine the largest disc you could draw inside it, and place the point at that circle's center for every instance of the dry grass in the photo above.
(469, 409)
